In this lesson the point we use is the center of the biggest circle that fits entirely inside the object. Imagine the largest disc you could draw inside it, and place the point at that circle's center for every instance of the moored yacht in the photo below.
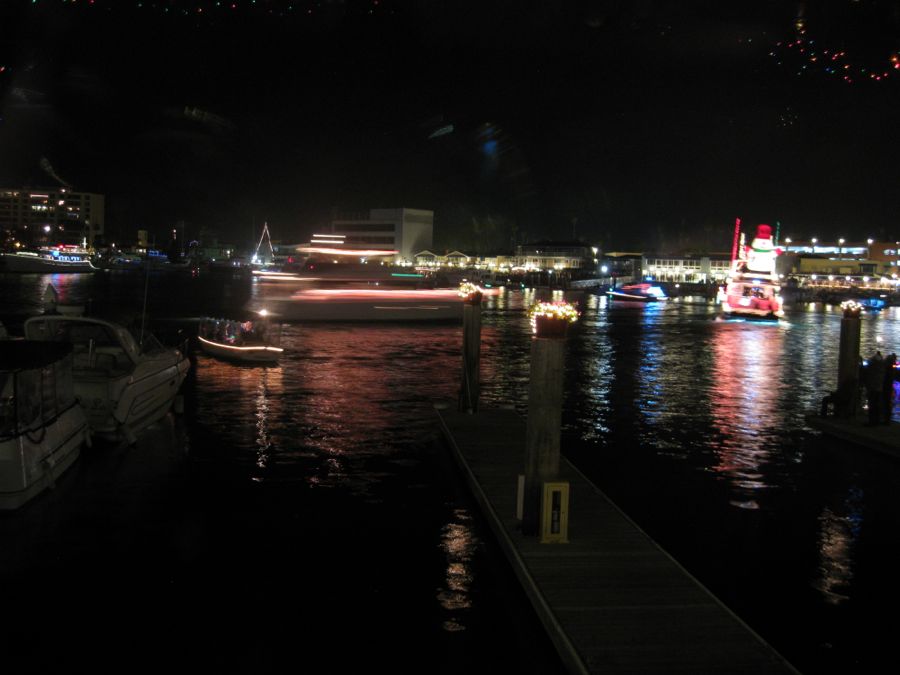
(42, 427)
(123, 384)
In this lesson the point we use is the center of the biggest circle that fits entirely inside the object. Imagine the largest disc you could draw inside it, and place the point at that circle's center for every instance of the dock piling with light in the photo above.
(471, 356)
(550, 322)
(848, 361)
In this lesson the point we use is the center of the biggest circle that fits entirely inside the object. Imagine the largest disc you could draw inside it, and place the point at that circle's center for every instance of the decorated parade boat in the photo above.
(48, 260)
(753, 289)
(337, 284)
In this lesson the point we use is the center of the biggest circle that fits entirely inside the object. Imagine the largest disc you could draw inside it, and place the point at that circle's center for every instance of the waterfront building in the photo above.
(557, 255)
(51, 216)
(841, 258)
(406, 231)
(687, 267)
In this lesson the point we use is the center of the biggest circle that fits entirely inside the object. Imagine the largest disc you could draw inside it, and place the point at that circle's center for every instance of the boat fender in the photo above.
(128, 434)
(48, 466)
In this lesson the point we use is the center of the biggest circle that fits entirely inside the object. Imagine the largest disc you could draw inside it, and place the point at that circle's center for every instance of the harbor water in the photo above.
(307, 511)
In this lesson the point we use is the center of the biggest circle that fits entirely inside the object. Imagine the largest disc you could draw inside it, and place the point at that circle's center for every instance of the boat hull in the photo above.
(613, 295)
(122, 387)
(119, 409)
(32, 460)
(752, 299)
(242, 354)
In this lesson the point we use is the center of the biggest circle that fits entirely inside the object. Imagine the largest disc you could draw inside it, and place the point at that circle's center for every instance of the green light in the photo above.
(399, 274)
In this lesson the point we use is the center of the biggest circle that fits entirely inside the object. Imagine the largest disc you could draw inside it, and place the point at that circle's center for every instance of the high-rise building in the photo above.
(51, 216)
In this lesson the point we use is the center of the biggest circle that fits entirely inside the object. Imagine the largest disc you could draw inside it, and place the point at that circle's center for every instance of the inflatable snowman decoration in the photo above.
(761, 253)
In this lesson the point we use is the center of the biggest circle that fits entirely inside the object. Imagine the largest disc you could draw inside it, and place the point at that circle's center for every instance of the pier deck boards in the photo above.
(611, 599)
(884, 438)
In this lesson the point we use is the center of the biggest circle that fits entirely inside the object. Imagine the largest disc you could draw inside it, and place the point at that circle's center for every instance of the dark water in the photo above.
(313, 512)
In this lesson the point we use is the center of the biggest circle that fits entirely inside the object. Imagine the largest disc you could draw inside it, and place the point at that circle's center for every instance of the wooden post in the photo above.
(542, 429)
(848, 365)
(471, 354)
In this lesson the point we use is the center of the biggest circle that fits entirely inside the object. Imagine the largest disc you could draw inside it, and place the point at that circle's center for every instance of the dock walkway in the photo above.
(611, 599)
(883, 438)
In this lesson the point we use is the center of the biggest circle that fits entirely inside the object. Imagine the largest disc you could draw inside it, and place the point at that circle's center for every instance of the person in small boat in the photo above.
(887, 389)
(873, 379)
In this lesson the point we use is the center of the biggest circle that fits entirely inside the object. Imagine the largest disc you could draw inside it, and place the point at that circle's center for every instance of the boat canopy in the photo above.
(36, 384)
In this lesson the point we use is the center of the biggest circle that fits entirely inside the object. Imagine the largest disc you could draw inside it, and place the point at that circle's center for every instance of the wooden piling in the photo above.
(848, 365)
(544, 420)
(471, 354)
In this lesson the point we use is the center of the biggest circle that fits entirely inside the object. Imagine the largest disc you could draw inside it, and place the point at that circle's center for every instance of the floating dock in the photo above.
(883, 438)
(611, 600)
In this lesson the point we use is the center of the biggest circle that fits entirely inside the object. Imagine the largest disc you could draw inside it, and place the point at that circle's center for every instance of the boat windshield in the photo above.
(149, 344)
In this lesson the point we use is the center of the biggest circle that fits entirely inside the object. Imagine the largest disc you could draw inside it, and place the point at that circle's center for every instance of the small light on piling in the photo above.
(851, 309)
(470, 293)
(551, 319)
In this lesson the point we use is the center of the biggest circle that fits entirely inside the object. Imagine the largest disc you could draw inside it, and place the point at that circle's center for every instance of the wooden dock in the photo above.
(611, 599)
(882, 438)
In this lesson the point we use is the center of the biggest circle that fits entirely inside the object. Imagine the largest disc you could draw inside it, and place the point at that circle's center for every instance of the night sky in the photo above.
(625, 123)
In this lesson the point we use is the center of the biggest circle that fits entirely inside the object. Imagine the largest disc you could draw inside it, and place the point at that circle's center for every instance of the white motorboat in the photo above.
(637, 293)
(123, 385)
(48, 260)
(42, 427)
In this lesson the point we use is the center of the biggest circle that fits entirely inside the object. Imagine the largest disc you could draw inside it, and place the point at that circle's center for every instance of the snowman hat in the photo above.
(764, 232)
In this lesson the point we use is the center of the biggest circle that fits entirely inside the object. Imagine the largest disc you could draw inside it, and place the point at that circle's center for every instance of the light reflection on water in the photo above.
(343, 401)
(695, 424)
(459, 543)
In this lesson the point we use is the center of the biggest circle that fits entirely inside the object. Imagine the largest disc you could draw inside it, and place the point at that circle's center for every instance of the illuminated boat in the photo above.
(872, 303)
(48, 260)
(347, 285)
(637, 293)
(42, 427)
(123, 384)
(752, 289)
(367, 304)
(242, 341)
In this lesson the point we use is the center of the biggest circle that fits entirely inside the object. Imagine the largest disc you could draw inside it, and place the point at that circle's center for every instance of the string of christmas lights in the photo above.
(810, 56)
(194, 8)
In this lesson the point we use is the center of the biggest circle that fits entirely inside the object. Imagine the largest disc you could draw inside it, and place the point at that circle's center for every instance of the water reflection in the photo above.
(345, 404)
(240, 404)
(745, 403)
(459, 543)
(671, 408)
(269, 379)
(838, 533)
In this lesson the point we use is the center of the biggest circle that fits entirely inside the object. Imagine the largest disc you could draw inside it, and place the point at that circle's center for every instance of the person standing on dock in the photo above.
(887, 389)
(874, 382)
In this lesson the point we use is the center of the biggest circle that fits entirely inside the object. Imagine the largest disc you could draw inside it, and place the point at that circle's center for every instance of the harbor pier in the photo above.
(611, 599)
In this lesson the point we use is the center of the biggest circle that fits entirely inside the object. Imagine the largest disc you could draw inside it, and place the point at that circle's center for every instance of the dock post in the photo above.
(471, 353)
(848, 363)
(542, 429)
